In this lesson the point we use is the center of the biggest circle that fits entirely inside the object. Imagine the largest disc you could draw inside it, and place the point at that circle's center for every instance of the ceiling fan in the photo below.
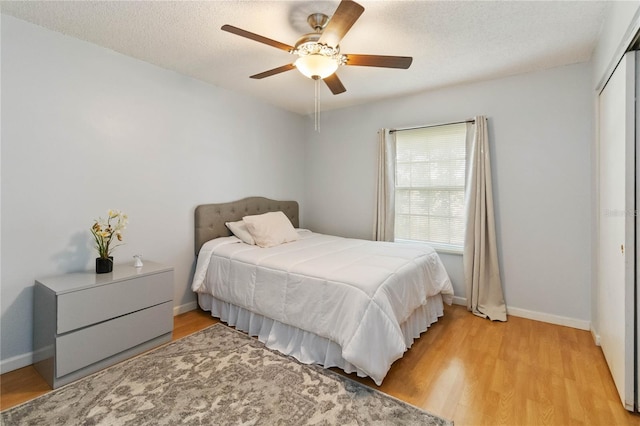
(319, 52)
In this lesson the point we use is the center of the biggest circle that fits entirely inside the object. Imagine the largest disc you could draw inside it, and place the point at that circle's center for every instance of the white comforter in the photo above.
(353, 292)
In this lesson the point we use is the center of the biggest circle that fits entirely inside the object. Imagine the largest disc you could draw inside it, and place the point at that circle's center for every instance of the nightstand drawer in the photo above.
(89, 345)
(91, 306)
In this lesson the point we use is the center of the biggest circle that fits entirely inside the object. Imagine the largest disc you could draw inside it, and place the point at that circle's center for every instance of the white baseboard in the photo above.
(457, 300)
(177, 310)
(539, 316)
(596, 337)
(18, 361)
(550, 318)
(25, 360)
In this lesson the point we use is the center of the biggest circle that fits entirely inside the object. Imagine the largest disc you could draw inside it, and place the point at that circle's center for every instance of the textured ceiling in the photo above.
(452, 42)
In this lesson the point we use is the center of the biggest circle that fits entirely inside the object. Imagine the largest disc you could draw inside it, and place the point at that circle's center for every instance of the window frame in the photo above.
(438, 246)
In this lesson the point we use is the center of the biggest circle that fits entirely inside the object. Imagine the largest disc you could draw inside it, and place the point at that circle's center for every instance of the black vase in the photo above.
(103, 265)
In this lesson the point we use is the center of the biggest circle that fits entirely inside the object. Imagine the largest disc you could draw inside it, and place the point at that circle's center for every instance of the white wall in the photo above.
(85, 129)
(540, 136)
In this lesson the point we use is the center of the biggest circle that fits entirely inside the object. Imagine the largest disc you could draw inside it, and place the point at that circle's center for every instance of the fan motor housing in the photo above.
(318, 21)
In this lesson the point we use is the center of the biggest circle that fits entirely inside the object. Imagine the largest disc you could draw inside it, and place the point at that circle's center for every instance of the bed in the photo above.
(353, 304)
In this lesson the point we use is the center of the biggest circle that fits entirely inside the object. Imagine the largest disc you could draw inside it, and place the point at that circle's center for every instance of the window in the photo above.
(430, 180)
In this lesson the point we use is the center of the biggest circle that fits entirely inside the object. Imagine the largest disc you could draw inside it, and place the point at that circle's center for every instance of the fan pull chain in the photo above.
(317, 106)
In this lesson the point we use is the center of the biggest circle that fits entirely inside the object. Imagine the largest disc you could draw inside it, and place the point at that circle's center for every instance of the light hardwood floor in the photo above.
(467, 369)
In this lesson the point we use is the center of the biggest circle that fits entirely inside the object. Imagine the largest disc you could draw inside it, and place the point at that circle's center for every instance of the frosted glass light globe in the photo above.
(316, 66)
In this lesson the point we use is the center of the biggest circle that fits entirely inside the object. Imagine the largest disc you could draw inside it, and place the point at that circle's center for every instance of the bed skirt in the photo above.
(307, 347)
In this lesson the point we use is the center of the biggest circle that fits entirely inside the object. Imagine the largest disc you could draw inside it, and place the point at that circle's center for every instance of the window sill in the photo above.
(439, 248)
(459, 252)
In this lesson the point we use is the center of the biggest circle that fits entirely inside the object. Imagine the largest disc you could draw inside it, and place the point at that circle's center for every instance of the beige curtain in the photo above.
(384, 212)
(480, 257)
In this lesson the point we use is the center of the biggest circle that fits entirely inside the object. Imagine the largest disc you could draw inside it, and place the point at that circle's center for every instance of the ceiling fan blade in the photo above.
(274, 71)
(341, 22)
(334, 84)
(242, 33)
(403, 62)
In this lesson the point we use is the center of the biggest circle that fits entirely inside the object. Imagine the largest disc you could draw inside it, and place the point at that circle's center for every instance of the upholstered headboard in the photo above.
(210, 218)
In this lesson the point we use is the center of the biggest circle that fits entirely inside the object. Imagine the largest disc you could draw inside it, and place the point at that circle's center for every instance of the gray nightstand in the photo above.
(84, 322)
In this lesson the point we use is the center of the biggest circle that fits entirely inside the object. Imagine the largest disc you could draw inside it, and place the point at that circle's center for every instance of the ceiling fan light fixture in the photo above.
(318, 53)
(316, 66)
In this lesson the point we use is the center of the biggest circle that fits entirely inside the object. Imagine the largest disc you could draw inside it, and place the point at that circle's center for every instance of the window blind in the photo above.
(430, 180)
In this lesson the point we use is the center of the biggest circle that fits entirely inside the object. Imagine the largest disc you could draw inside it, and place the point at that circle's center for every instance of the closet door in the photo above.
(616, 234)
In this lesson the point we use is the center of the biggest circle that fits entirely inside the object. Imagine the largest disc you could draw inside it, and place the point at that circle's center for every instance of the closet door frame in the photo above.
(616, 238)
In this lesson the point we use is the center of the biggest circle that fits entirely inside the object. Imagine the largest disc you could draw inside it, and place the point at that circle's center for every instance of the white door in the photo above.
(616, 231)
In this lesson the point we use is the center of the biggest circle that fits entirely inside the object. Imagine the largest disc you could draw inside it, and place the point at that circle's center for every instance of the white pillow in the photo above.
(270, 229)
(239, 229)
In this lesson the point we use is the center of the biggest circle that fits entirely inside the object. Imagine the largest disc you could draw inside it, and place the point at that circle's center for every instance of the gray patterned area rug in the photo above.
(217, 376)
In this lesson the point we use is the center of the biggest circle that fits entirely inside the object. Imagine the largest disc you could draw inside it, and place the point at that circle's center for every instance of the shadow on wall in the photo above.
(77, 254)
(20, 311)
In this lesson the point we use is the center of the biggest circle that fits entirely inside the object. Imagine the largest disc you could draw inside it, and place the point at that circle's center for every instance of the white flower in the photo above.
(103, 231)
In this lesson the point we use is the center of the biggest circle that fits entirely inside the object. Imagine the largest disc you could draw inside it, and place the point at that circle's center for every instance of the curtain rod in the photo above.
(471, 120)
